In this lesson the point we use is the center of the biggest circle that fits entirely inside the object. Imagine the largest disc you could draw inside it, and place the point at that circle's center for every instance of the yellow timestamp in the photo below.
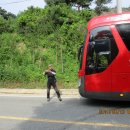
(113, 111)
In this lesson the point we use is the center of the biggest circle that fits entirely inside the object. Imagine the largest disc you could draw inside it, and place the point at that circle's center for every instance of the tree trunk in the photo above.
(62, 64)
(78, 7)
(56, 54)
(33, 56)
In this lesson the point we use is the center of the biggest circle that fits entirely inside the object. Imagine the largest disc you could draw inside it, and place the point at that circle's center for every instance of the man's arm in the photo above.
(45, 73)
(53, 72)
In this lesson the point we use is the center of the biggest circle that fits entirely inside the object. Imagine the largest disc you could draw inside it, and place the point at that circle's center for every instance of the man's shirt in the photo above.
(51, 75)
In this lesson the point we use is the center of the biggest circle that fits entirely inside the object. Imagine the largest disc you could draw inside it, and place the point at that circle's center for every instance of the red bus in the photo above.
(105, 58)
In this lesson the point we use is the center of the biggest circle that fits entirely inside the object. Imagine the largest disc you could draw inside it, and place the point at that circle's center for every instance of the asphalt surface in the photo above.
(35, 113)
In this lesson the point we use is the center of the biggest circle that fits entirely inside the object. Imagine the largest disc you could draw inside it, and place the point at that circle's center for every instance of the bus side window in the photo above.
(103, 54)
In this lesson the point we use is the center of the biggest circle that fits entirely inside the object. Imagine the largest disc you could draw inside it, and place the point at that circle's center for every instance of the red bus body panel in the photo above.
(116, 78)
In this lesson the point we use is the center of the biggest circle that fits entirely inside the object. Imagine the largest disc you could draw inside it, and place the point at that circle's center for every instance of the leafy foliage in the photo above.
(38, 37)
(100, 6)
(5, 14)
(55, 2)
(81, 3)
(74, 3)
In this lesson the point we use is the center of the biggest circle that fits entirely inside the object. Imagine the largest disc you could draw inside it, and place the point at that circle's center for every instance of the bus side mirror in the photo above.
(80, 52)
(91, 38)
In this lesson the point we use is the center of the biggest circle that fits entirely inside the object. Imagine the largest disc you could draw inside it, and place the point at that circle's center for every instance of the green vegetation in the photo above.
(38, 37)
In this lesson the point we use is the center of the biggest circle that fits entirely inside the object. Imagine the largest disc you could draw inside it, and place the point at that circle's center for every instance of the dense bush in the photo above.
(38, 37)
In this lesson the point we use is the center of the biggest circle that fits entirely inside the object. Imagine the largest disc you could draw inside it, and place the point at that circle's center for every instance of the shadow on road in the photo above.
(79, 110)
(105, 103)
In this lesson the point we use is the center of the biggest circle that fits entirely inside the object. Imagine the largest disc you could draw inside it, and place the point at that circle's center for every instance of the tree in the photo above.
(6, 25)
(100, 6)
(6, 20)
(6, 15)
(27, 21)
(74, 3)
(80, 3)
(54, 2)
(3, 24)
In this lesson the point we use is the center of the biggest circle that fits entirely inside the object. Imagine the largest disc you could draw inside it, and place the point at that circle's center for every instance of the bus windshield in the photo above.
(101, 51)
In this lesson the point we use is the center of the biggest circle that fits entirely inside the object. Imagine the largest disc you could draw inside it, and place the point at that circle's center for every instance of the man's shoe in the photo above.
(60, 99)
(48, 99)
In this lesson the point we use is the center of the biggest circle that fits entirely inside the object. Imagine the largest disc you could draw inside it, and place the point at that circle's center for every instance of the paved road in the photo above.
(35, 113)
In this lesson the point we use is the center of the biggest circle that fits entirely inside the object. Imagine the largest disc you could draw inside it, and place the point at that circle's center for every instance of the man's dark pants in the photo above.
(52, 82)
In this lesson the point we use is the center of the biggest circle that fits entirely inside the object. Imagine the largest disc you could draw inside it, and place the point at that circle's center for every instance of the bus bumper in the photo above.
(115, 96)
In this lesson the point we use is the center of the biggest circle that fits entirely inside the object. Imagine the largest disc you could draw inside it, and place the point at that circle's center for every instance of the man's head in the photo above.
(49, 66)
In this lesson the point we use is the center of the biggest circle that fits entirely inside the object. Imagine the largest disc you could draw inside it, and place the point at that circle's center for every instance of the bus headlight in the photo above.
(79, 82)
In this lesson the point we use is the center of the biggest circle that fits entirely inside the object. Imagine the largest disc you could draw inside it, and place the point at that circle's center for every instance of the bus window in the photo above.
(124, 31)
(101, 51)
(102, 61)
